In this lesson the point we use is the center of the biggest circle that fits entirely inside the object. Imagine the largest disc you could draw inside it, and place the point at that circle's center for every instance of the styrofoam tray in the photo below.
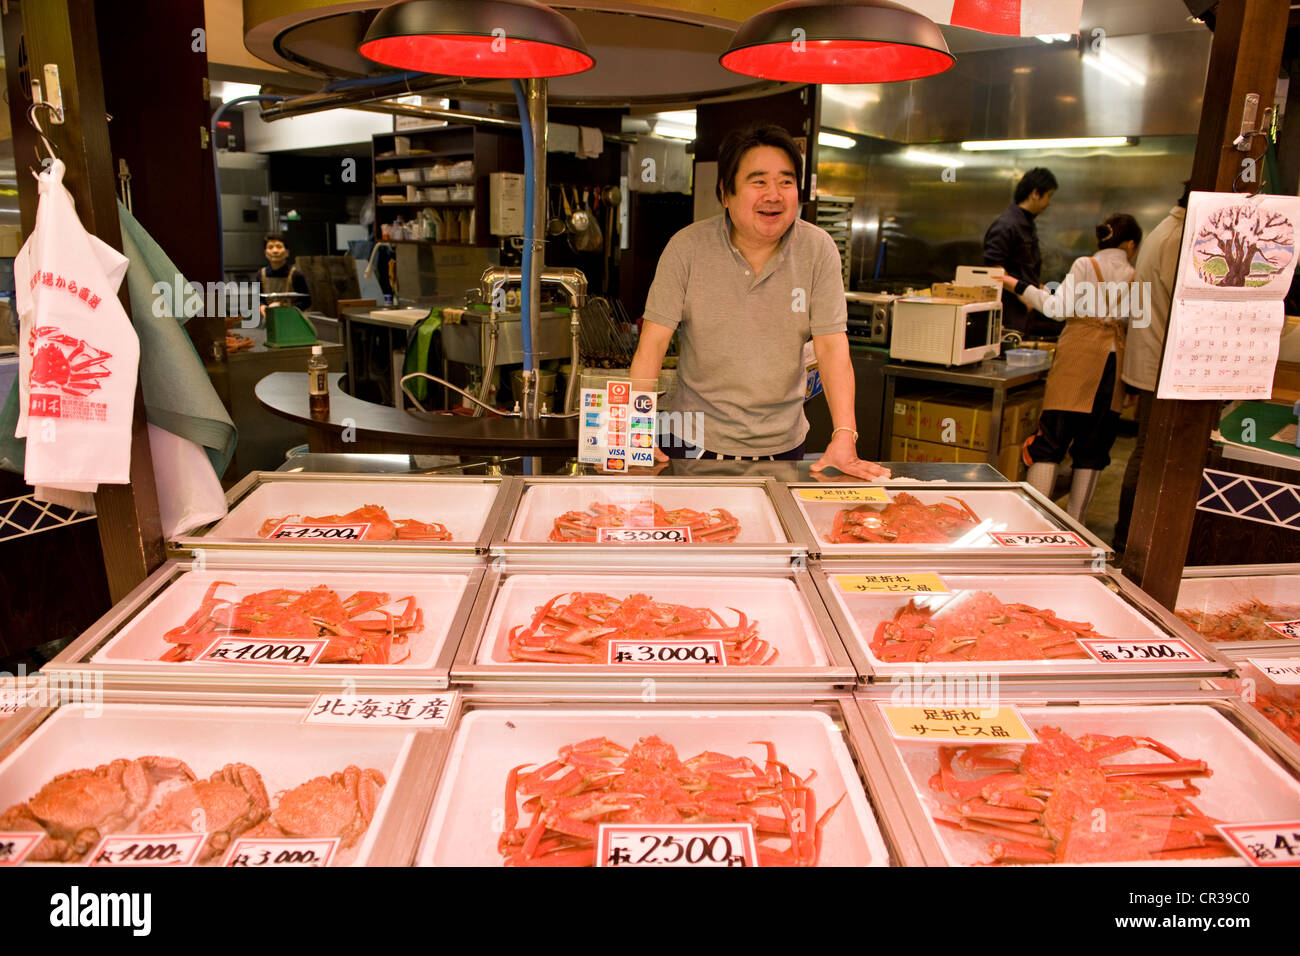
(462, 507)
(998, 511)
(1216, 595)
(1077, 598)
(1247, 785)
(542, 504)
(284, 751)
(467, 813)
(774, 603)
(437, 595)
(1253, 686)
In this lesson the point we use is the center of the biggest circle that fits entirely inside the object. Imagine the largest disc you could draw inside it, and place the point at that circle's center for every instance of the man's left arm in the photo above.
(836, 368)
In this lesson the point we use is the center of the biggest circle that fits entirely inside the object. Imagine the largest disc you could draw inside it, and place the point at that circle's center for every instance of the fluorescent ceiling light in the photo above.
(835, 141)
(1053, 37)
(674, 131)
(919, 157)
(227, 91)
(1083, 142)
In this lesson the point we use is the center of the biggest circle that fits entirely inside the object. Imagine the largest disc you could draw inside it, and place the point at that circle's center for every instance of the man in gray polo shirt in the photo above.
(745, 291)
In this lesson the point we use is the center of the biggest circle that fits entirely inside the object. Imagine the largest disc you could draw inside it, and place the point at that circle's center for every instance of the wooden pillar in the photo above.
(1245, 58)
(63, 32)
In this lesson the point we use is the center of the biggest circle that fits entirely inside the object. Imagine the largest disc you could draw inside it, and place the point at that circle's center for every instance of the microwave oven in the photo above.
(945, 331)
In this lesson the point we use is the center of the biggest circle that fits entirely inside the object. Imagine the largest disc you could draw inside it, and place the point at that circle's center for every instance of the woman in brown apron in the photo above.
(1084, 393)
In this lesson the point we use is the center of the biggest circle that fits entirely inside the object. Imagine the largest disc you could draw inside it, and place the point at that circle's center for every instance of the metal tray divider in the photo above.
(399, 840)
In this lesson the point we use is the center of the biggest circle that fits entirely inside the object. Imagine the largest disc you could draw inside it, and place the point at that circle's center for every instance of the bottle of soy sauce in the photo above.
(318, 388)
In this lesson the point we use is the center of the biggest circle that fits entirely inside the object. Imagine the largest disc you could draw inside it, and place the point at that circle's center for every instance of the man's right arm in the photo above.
(650, 351)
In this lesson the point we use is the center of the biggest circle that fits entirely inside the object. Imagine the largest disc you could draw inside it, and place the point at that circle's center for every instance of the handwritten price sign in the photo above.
(667, 652)
(1286, 628)
(1112, 651)
(1038, 539)
(640, 535)
(168, 849)
(271, 652)
(876, 495)
(299, 531)
(1265, 844)
(685, 844)
(14, 847)
(299, 853)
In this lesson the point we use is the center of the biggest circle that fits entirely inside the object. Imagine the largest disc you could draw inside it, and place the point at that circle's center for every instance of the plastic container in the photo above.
(1026, 356)
(1229, 600)
(466, 819)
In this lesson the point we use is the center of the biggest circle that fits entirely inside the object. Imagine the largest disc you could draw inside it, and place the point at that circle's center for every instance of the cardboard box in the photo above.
(910, 449)
(966, 293)
(964, 418)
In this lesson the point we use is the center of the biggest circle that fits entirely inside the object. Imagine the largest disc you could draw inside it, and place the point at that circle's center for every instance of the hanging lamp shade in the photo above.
(506, 39)
(838, 41)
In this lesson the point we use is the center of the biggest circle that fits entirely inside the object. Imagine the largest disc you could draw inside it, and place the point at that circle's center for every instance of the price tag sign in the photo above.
(268, 651)
(260, 853)
(958, 724)
(1286, 628)
(154, 849)
(298, 531)
(14, 699)
(383, 710)
(667, 652)
(1265, 844)
(926, 582)
(14, 847)
(1038, 539)
(844, 494)
(1280, 671)
(683, 844)
(648, 535)
(1111, 650)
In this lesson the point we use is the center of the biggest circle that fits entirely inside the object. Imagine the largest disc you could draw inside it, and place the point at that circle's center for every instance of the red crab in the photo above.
(903, 521)
(68, 364)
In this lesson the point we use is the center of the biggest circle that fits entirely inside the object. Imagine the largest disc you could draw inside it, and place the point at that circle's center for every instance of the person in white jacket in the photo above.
(1084, 394)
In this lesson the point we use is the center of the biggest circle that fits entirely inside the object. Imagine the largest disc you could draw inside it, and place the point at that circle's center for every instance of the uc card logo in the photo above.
(643, 403)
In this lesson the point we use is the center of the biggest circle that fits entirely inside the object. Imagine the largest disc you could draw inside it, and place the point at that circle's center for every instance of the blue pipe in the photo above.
(525, 296)
(216, 166)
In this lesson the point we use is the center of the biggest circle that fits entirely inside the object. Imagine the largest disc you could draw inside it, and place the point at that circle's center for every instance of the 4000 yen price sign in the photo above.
(274, 652)
(155, 849)
(253, 852)
(667, 652)
(301, 531)
(1162, 650)
(683, 844)
(639, 535)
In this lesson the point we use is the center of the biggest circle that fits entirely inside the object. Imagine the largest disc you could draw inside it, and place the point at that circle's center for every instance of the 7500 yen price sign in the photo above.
(686, 844)
(1038, 539)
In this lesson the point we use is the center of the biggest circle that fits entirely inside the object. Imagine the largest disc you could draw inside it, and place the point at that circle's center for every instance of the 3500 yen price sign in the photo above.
(652, 535)
(687, 844)
(667, 652)
(1111, 651)
(320, 532)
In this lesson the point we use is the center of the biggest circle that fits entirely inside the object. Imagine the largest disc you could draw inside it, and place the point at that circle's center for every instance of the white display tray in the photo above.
(467, 813)
(1071, 597)
(1247, 785)
(1218, 594)
(775, 604)
(461, 506)
(543, 503)
(437, 595)
(284, 751)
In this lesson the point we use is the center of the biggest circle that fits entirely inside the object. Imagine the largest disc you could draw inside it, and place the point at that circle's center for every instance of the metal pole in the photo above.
(536, 93)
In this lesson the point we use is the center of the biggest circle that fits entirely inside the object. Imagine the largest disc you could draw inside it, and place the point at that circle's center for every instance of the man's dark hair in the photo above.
(274, 237)
(739, 142)
(1037, 180)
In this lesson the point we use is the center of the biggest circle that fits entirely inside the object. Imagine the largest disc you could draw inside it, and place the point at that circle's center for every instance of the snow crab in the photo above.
(717, 525)
(354, 637)
(340, 805)
(903, 521)
(382, 528)
(229, 802)
(578, 630)
(1282, 711)
(976, 626)
(66, 363)
(76, 809)
(1057, 801)
(598, 781)
(1247, 621)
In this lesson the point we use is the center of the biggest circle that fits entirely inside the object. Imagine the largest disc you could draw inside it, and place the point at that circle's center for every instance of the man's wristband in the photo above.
(845, 428)
(1021, 286)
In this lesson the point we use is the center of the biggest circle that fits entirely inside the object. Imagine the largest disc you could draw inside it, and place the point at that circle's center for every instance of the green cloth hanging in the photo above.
(417, 355)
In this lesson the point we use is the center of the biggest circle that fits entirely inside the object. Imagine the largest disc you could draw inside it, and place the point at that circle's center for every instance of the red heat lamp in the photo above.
(838, 41)
(496, 39)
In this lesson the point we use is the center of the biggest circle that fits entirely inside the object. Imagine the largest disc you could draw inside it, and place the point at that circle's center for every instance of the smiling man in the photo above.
(745, 291)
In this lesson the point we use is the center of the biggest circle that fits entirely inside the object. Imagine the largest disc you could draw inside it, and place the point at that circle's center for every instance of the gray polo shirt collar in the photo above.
(782, 249)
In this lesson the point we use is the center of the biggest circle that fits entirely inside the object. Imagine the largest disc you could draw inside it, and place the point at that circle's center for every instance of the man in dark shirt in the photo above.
(279, 276)
(1012, 243)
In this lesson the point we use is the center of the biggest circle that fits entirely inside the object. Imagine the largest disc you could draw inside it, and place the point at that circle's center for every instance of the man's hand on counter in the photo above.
(842, 454)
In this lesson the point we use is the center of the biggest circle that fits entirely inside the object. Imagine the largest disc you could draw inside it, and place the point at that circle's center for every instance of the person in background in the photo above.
(279, 276)
(1084, 396)
(1157, 267)
(1012, 243)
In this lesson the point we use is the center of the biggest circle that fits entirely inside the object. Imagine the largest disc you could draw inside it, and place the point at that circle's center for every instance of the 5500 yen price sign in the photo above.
(685, 844)
(652, 535)
(1111, 650)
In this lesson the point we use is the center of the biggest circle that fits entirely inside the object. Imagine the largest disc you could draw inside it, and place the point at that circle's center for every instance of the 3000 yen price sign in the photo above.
(165, 849)
(1111, 650)
(651, 535)
(1265, 844)
(320, 532)
(259, 853)
(274, 652)
(684, 844)
(667, 652)
(1038, 539)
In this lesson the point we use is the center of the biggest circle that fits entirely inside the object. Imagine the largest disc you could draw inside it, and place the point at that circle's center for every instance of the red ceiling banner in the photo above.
(1006, 17)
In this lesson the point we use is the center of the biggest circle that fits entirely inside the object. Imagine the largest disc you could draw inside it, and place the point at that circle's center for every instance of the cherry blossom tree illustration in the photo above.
(1243, 235)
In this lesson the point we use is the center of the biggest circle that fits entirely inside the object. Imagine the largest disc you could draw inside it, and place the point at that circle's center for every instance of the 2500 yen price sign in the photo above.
(1112, 651)
(320, 532)
(270, 651)
(652, 535)
(167, 849)
(667, 652)
(686, 844)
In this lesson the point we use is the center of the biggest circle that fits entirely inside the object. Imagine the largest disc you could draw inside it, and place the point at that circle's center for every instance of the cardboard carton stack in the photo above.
(954, 426)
